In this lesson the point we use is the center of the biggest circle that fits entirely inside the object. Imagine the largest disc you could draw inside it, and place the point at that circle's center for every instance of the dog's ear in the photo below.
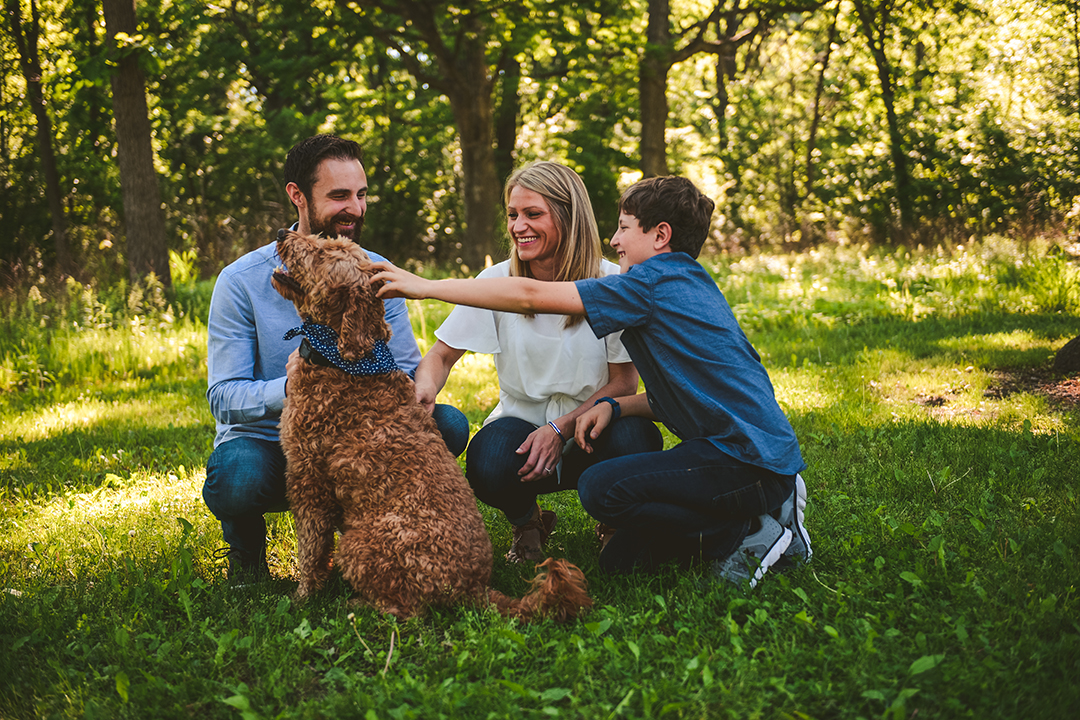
(362, 322)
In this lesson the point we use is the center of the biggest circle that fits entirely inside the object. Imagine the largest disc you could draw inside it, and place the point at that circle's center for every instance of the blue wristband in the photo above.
(615, 409)
(555, 427)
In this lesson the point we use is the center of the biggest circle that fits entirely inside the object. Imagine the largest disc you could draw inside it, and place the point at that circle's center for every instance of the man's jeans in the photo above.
(491, 464)
(692, 501)
(245, 478)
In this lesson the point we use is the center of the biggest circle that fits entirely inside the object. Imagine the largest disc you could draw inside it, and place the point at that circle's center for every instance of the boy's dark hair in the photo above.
(676, 201)
(304, 157)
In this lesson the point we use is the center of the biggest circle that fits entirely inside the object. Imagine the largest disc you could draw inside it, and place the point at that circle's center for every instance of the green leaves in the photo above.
(925, 663)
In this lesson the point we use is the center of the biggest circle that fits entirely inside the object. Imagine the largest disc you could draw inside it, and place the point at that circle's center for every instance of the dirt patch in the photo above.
(1062, 391)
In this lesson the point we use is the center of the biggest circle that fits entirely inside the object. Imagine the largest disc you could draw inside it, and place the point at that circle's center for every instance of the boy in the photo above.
(730, 492)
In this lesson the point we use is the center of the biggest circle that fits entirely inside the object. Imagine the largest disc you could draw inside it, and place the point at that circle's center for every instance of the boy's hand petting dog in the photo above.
(397, 283)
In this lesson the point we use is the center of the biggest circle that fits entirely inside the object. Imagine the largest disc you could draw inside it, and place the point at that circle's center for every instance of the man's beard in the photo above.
(326, 228)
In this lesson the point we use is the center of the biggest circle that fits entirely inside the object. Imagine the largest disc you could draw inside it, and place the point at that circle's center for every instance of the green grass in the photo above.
(946, 533)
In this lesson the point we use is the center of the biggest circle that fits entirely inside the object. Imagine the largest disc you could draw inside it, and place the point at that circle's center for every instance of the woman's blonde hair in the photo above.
(579, 251)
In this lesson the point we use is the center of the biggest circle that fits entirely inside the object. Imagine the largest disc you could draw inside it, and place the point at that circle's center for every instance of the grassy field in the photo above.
(943, 462)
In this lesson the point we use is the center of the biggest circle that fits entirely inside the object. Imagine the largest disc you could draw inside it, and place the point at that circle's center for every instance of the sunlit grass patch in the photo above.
(473, 387)
(76, 533)
(1003, 349)
(942, 506)
(802, 390)
(88, 410)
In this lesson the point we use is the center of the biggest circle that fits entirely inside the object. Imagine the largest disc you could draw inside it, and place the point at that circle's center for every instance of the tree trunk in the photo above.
(26, 39)
(474, 115)
(875, 38)
(815, 122)
(506, 121)
(1074, 8)
(144, 220)
(652, 89)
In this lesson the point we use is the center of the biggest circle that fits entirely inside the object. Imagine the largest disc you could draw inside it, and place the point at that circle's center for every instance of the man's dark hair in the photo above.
(304, 157)
(676, 201)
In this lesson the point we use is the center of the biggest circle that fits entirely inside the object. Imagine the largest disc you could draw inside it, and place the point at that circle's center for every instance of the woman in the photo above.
(551, 368)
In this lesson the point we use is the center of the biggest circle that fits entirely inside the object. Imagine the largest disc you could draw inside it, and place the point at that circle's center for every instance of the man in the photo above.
(245, 476)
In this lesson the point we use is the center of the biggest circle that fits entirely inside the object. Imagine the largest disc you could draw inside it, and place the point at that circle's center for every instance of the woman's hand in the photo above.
(544, 449)
(397, 282)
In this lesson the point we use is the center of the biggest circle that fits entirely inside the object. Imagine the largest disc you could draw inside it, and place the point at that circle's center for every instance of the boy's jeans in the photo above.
(245, 478)
(693, 500)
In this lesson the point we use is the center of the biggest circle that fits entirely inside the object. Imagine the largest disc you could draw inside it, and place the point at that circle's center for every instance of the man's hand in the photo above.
(425, 395)
(292, 367)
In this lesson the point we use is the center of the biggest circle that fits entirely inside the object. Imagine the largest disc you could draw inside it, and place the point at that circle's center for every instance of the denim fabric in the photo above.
(492, 465)
(692, 501)
(453, 426)
(245, 478)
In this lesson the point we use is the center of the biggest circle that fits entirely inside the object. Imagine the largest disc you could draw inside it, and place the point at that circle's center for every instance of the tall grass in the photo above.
(943, 511)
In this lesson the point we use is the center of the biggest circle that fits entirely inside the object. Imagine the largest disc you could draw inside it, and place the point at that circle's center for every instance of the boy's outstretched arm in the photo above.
(509, 294)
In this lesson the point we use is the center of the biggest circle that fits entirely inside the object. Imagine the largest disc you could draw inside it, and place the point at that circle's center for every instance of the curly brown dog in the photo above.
(364, 456)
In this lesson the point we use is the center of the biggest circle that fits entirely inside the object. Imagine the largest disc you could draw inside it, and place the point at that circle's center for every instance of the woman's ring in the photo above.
(547, 471)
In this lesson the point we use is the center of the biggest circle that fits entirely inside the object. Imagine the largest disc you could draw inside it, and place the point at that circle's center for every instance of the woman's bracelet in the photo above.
(556, 429)
(615, 409)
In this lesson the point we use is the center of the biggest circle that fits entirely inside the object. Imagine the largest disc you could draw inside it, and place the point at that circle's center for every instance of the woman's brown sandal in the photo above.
(603, 534)
(529, 538)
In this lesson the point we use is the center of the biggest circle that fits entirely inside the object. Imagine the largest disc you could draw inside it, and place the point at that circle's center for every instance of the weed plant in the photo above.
(943, 513)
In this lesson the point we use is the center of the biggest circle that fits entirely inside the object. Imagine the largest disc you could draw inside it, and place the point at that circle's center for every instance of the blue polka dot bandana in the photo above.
(324, 339)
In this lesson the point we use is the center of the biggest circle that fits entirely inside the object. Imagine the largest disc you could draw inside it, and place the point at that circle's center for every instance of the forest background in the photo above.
(836, 137)
(127, 134)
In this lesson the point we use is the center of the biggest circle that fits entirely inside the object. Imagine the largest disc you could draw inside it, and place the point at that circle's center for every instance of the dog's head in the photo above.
(329, 281)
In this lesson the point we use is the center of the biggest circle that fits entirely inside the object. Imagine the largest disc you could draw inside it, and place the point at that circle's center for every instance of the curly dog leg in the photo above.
(317, 515)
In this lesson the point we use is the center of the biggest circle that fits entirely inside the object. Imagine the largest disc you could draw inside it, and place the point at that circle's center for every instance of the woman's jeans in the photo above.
(692, 501)
(245, 478)
(492, 465)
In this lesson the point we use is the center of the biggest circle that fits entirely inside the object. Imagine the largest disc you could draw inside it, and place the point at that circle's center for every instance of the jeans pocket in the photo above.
(742, 502)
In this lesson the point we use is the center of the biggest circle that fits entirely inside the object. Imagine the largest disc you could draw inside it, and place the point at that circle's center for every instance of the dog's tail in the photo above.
(559, 592)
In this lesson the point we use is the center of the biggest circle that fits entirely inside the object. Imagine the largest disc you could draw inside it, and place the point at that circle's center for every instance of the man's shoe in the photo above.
(243, 570)
(756, 555)
(529, 538)
(792, 517)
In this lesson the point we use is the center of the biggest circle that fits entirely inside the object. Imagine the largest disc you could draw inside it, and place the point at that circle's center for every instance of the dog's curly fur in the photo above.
(364, 456)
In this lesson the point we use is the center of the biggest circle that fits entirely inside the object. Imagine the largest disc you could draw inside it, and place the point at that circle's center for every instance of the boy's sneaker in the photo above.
(791, 516)
(756, 555)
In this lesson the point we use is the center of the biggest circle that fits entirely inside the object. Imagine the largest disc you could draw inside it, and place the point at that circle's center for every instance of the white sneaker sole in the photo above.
(771, 556)
(800, 543)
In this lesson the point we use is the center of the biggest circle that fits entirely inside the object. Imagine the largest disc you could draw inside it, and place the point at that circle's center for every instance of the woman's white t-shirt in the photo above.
(545, 369)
